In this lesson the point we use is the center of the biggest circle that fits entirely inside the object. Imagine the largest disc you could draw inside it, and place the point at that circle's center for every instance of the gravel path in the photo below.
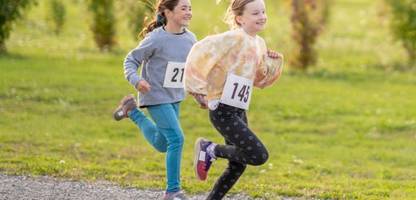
(24, 187)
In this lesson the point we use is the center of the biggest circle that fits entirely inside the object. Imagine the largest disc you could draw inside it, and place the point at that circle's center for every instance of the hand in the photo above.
(143, 86)
(200, 99)
(273, 54)
(260, 80)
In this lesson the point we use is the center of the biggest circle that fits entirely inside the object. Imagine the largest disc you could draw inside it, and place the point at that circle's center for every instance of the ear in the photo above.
(168, 13)
(239, 20)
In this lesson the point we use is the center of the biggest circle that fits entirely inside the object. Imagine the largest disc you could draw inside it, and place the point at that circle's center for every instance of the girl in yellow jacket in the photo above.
(220, 73)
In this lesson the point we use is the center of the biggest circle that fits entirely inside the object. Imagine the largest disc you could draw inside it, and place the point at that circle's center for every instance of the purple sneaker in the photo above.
(202, 160)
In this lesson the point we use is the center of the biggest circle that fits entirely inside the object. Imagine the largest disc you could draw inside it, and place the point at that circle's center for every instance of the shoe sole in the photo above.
(197, 149)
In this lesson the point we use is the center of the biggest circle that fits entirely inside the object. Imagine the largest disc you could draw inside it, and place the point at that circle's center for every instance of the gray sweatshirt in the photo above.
(154, 52)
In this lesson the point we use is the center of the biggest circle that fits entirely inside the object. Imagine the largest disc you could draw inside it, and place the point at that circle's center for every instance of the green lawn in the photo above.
(344, 130)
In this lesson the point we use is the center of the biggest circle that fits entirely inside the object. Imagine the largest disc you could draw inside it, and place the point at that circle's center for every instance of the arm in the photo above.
(200, 99)
(202, 58)
(197, 67)
(134, 60)
(276, 59)
(271, 60)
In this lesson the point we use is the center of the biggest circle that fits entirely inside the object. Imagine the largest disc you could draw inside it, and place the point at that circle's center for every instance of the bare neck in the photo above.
(174, 28)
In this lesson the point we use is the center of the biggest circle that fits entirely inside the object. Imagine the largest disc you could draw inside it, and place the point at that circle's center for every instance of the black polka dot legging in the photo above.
(242, 147)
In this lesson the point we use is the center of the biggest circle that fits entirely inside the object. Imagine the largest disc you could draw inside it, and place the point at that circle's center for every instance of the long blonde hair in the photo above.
(235, 9)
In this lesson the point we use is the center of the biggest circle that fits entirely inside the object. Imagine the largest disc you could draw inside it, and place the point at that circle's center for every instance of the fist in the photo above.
(143, 86)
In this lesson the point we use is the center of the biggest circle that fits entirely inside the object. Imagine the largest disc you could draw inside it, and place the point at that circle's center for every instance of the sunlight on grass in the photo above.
(346, 129)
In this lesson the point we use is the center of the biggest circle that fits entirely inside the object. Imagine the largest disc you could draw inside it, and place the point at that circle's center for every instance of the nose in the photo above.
(189, 14)
(187, 11)
(264, 16)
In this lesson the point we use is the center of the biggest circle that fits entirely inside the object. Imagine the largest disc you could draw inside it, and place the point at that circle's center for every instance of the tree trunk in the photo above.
(411, 54)
(412, 57)
(2, 47)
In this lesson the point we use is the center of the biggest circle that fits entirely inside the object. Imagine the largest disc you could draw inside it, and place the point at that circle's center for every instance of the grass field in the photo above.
(346, 129)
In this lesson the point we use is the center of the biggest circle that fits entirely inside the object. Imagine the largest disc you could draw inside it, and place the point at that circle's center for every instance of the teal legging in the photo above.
(165, 135)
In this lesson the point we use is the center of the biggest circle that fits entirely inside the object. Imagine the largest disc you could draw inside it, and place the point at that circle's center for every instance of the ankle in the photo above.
(211, 150)
(133, 111)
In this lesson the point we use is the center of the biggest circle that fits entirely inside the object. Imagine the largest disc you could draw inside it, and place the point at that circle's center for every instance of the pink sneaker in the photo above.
(202, 160)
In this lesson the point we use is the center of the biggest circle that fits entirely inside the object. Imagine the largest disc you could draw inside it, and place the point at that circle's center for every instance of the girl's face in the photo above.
(254, 17)
(181, 15)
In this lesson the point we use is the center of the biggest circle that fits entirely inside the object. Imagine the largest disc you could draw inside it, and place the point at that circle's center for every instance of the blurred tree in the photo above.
(103, 25)
(57, 14)
(138, 13)
(403, 25)
(308, 20)
(10, 10)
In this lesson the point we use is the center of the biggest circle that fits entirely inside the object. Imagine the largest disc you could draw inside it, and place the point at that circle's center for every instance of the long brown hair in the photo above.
(160, 18)
(236, 8)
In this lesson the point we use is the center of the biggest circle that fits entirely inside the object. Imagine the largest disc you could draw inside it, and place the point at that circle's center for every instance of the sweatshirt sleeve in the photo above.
(203, 57)
(261, 69)
(263, 78)
(136, 57)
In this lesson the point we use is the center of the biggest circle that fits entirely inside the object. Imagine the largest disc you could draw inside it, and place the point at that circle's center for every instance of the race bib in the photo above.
(237, 91)
(174, 75)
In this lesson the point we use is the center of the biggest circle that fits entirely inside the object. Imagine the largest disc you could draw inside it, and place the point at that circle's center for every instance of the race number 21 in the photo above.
(177, 73)
(174, 75)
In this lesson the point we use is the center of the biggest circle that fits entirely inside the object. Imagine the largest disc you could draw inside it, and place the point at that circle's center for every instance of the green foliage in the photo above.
(403, 24)
(337, 135)
(10, 10)
(138, 13)
(57, 13)
(103, 25)
(343, 130)
(308, 20)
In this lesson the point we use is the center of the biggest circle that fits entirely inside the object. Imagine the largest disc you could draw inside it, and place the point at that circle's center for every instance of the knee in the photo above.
(176, 139)
(149, 130)
(260, 158)
(161, 149)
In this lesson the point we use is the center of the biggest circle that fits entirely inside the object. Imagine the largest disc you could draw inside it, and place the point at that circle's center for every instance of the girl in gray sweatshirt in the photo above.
(162, 55)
